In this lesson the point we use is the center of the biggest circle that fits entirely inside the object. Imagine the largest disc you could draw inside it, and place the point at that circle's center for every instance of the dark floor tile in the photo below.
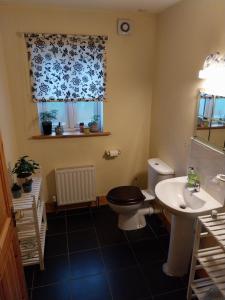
(79, 221)
(128, 284)
(90, 288)
(101, 209)
(118, 256)
(157, 225)
(82, 240)
(56, 269)
(105, 217)
(29, 271)
(140, 234)
(109, 235)
(185, 279)
(56, 225)
(164, 242)
(148, 251)
(55, 245)
(159, 282)
(58, 291)
(53, 215)
(76, 211)
(178, 295)
(86, 263)
(29, 292)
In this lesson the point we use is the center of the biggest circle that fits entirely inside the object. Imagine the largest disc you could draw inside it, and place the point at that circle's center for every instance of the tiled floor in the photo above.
(88, 258)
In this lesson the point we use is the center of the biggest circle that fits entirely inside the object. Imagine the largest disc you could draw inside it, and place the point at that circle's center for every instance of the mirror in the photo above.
(210, 124)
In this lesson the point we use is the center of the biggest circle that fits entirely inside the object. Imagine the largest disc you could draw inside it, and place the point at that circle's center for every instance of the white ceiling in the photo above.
(153, 6)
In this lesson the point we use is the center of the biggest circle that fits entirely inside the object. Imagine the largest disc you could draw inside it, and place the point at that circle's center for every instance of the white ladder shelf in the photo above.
(211, 259)
(31, 224)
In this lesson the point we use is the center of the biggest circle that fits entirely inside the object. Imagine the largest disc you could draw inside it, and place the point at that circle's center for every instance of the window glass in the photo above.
(85, 112)
(71, 114)
(219, 109)
(61, 108)
(205, 107)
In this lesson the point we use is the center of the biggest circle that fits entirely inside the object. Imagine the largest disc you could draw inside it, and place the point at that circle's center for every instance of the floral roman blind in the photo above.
(67, 67)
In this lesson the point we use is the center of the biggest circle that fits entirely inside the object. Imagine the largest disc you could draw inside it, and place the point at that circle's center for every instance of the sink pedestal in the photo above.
(180, 248)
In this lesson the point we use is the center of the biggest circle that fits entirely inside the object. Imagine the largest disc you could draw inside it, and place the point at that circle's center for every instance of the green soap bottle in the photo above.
(192, 177)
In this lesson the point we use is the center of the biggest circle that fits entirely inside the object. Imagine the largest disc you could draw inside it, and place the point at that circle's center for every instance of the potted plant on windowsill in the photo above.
(93, 125)
(46, 118)
(16, 191)
(24, 168)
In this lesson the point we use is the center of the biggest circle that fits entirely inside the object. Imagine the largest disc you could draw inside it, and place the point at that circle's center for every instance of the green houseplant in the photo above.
(46, 118)
(93, 125)
(25, 167)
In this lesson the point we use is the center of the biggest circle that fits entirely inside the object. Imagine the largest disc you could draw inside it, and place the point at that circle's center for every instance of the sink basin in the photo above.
(174, 195)
(185, 206)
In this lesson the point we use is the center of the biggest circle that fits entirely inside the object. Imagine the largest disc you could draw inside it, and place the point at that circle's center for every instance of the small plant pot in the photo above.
(47, 128)
(16, 191)
(94, 128)
(81, 125)
(16, 194)
(86, 130)
(27, 188)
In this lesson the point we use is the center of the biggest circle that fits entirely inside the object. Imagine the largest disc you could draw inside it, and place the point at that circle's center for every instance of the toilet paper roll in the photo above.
(113, 153)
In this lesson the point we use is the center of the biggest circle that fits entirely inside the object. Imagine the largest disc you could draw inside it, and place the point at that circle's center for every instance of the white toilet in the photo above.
(131, 203)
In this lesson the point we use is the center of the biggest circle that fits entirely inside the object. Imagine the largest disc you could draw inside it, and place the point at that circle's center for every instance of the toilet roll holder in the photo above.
(112, 153)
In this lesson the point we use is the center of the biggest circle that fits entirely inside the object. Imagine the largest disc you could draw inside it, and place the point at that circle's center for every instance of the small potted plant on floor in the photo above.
(93, 125)
(46, 118)
(24, 168)
(16, 191)
(27, 185)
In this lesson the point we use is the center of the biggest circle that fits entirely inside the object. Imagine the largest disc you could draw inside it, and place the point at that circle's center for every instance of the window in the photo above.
(205, 107)
(71, 114)
(68, 74)
(211, 111)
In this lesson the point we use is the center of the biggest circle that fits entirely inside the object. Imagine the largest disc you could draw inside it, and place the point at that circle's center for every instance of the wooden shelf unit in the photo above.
(31, 223)
(211, 259)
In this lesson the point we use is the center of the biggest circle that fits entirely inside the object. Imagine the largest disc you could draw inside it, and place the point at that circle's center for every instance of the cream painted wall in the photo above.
(127, 111)
(186, 34)
(7, 127)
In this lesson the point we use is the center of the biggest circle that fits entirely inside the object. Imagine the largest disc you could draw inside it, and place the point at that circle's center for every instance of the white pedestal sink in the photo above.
(185, 206)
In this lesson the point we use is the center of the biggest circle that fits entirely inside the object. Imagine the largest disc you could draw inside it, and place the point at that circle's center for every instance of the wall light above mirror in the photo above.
(213, 73)
(210, 116)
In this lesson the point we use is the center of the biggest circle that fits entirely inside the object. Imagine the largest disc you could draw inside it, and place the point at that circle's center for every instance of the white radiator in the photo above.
(75, 185)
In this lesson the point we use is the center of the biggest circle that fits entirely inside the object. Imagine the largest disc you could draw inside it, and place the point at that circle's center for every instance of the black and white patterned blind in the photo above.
(65, 68)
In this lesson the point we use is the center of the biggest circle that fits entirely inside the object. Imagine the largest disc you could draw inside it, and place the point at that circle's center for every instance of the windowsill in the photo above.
(211, 128)
(69, 135)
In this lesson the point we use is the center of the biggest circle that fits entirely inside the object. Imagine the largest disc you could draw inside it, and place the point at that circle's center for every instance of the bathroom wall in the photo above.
(186, 34)
(7, 128)
(129, 89)
(208, 163)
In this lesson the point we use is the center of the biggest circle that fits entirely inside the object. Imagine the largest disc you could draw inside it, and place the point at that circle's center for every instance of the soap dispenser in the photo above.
(193, 178)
